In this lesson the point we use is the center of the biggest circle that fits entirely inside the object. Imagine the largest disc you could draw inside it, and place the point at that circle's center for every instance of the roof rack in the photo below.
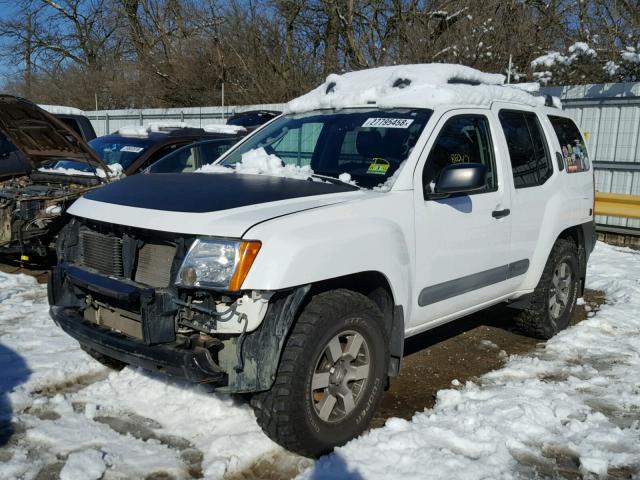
(401, 83)
(462, 81)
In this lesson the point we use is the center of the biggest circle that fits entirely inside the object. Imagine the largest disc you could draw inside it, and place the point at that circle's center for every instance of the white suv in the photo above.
(380, 205)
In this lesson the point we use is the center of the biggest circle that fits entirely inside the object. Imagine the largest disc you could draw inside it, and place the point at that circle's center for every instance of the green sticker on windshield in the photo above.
(379, 166)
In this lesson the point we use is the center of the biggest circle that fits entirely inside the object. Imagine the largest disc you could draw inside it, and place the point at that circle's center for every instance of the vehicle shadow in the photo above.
(498, 316)
(332, 467)
(14, 371)
(37, 267)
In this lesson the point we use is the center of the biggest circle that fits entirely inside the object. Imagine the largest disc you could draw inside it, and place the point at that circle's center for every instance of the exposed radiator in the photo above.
(154, 265)
(101, 252)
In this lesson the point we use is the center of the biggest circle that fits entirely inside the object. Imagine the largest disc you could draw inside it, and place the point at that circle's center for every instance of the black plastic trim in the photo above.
(462, 285)
(194, 365)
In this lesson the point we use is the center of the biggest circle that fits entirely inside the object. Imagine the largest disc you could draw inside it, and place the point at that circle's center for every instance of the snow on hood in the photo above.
(61, 110)
(115, 171)
(259, 162)
(411, 86)
(223, 128)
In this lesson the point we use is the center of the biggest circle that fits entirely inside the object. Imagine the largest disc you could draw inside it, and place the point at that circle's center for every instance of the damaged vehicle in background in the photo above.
(33, 198)
(132, 148)
(45, 165)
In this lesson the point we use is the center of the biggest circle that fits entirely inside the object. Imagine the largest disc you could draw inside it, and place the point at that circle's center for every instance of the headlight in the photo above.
(217, 264)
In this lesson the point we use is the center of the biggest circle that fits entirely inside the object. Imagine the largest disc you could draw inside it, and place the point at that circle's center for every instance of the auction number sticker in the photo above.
(131, 149)
(388, 122)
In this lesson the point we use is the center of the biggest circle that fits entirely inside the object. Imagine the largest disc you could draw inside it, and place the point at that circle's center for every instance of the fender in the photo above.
(337, 240)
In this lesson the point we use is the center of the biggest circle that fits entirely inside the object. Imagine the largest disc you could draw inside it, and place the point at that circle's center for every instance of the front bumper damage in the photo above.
(153, 340)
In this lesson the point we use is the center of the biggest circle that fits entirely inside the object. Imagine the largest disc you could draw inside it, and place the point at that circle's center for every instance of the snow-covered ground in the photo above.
(574, 406)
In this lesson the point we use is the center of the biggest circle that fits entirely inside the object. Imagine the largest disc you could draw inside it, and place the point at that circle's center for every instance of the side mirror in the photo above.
(459, 178)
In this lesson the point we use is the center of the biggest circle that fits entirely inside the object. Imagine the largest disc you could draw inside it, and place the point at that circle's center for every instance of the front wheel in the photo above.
(554, 299)
(331, 376)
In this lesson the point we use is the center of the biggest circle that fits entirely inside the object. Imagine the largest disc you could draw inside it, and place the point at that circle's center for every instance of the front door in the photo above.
(463, 240)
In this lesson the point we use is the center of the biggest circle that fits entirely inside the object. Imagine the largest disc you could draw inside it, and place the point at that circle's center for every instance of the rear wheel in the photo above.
(554, 299)
(331, 376)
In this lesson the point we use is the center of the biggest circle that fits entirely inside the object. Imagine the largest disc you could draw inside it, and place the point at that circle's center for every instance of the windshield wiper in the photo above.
(334, 180)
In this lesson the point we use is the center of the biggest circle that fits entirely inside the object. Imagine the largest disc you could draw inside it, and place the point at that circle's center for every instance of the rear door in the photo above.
(462, 241)
(532, 178)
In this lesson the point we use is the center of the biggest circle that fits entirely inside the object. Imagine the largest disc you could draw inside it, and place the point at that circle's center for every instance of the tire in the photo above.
(559, 284)
(109, 362)
(313, 422)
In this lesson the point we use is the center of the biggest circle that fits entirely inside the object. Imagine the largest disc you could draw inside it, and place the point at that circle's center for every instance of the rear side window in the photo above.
(574, 151)
(530, 159)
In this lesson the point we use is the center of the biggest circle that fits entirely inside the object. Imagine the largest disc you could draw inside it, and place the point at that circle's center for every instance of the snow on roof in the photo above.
(411, 86)
(222, 128)
(61, 110)
(143, 131)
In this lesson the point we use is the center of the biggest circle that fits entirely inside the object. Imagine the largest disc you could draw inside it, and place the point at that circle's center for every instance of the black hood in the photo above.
(203, 192)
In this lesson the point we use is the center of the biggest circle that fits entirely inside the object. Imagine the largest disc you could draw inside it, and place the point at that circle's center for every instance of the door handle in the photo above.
(500, 213)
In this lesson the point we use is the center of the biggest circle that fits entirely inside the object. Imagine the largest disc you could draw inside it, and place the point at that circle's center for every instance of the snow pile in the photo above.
(128, 424)
(413, 86)
(143, 131)
(225, 129)
(34, 353)
(214, 168)
(115, 171)
(576, 403)
(259, 162)
(61, 110)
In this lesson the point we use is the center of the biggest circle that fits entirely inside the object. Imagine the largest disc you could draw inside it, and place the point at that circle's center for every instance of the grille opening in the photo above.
(154, 265)
(101, 252)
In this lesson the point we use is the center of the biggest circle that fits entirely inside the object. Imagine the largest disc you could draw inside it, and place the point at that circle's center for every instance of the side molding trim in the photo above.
(459, 286)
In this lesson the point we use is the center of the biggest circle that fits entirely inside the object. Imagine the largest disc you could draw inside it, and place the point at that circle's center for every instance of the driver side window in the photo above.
(463, 139)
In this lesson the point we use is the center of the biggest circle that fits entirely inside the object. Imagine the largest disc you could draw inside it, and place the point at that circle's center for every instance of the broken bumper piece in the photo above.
(195, 364)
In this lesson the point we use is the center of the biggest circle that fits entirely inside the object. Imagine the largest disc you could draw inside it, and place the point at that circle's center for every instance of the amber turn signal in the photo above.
(248, 252)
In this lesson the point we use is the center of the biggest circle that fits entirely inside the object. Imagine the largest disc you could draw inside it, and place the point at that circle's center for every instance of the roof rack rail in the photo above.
(548, 101)
(401, 83)
(182, 130)
(462, 81)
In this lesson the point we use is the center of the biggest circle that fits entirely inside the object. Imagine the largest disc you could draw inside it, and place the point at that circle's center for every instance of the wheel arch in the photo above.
(576, 234)
(375, 286)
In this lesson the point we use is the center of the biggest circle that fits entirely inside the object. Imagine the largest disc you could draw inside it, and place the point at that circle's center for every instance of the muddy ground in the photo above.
(460, 351)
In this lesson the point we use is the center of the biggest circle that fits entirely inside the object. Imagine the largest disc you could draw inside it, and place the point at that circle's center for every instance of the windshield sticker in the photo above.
(379, 167)
(388, 122)
(131, 149)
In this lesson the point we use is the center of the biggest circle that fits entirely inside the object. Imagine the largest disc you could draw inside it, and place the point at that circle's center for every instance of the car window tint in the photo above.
(162, 152)
(462, 139)
(297, 145)
(574, 151)
(530, 161)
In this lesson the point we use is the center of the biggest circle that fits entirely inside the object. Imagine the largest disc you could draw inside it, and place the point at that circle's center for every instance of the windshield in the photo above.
(192, 157)
(122, 150)
(367, 144)
(113, 150)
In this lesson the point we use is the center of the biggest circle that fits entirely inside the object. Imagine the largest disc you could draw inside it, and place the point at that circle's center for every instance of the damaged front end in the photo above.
(32, 202)
(115, 291)
(32, 208)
